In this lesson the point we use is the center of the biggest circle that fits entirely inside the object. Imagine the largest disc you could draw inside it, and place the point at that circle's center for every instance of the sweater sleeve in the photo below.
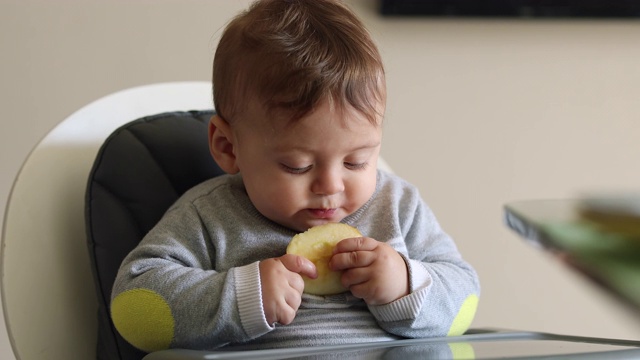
(444, 288)
(167, 293)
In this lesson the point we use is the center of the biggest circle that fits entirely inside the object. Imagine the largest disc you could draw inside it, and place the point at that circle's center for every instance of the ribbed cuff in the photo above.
(420, 277)
(249, 295)
(407, 307)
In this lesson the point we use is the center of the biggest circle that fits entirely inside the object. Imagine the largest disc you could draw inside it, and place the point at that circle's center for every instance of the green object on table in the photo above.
(608, 257)
(611, 259)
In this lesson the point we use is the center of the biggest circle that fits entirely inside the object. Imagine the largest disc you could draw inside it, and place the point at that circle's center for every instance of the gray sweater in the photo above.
(200, 264)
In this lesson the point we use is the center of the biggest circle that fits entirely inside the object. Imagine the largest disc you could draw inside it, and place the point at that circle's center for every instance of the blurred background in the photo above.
(481, 111)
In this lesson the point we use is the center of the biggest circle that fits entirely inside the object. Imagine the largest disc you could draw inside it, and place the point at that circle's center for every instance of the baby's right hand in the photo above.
(282, 286)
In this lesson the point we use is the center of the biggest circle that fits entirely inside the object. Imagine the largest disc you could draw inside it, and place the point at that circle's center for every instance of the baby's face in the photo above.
(316, 170)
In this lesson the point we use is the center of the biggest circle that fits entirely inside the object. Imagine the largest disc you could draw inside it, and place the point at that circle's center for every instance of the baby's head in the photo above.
(292, 54)
(299, 90)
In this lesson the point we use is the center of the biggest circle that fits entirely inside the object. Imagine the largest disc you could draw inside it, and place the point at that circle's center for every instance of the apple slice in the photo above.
(316, 244)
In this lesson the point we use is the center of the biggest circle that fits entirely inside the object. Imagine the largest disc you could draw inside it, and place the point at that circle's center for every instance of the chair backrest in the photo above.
(48, 294)
(141, 169)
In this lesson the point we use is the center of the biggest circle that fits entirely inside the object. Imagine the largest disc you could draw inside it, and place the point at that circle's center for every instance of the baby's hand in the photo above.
(282, 286)
(373, 270)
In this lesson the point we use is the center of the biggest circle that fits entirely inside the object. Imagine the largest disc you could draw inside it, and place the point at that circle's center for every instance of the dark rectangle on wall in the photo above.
(513, 8)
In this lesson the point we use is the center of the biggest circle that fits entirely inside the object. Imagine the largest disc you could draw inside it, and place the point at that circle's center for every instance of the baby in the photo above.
(299, 91)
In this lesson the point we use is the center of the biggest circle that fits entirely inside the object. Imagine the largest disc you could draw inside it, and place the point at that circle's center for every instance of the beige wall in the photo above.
(479, 113)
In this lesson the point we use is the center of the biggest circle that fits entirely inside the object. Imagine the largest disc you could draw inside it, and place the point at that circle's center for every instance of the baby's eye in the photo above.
(295, 170)
(355, 166)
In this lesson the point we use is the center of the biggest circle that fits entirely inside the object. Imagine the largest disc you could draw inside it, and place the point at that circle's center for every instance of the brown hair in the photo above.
(292, 54)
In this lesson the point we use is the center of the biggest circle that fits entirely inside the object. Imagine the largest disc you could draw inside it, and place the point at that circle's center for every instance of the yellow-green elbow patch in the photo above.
(144, 319)
(465, 316)
(462, 350)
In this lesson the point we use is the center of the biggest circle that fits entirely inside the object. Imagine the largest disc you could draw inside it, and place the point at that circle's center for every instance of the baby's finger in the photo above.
(299, 265)
(355, 244)
(354, 277)
(365, 292)
(296, 283)
(352, 259)
(293, 299)
(286, 314)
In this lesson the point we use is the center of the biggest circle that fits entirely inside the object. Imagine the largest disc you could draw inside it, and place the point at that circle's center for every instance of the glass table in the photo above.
(477, 344)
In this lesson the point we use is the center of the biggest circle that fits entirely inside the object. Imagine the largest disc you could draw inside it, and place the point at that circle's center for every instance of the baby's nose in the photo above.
(328, 183)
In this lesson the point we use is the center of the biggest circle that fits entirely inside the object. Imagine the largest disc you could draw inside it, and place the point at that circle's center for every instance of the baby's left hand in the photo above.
(373, 270)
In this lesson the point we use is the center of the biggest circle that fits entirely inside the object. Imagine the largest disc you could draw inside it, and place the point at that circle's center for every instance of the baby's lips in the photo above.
(323, 213)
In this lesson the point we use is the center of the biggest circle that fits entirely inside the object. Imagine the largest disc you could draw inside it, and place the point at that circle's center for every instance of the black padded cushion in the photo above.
(140, 170)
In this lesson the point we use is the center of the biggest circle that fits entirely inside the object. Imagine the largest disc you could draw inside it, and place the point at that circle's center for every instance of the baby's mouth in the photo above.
(322, 213)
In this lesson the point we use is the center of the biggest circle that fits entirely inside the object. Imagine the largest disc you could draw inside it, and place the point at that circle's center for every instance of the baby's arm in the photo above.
(170, 291)
(444, 289)
(163, 298)
(415, 283)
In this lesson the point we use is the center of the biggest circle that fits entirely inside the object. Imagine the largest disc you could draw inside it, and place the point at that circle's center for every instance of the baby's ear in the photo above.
(221, 143)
